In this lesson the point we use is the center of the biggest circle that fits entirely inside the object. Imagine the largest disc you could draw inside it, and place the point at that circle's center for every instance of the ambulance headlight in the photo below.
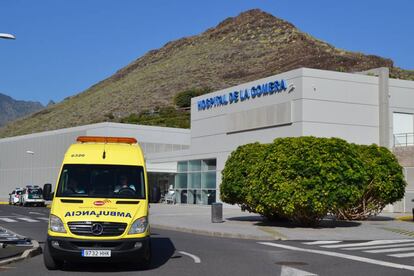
(56, 224)
(139, 226)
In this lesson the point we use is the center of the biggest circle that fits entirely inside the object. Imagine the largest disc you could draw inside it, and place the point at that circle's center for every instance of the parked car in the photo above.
(14, 196)
(32, 195)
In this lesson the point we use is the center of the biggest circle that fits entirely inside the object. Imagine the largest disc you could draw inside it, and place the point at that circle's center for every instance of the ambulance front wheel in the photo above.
(146, 261)
(50, 262)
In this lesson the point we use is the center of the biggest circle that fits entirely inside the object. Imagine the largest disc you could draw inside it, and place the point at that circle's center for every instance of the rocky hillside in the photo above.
(12, 109)
(252, 45)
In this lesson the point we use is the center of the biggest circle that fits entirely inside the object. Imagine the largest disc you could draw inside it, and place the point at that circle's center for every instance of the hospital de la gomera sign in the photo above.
(257, 91)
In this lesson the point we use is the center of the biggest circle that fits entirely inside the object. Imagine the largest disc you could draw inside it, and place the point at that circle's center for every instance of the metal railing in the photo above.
(403, 139)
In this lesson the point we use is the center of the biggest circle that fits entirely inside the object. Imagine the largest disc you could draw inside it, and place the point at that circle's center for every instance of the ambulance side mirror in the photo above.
(47, 191)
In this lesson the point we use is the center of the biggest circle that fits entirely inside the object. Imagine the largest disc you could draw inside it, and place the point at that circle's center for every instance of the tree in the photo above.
(183, 99)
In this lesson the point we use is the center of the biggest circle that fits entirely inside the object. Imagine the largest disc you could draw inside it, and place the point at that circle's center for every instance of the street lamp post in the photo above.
(7, 36)
(31, 165)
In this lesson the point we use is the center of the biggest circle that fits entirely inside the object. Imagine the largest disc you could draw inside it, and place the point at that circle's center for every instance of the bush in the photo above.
(183, 99)
(167, 116)
(385, 183)
(236, 174)
(304, 178)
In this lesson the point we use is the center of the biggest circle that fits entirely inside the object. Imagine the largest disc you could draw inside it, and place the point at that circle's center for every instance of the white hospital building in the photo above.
(360, 108)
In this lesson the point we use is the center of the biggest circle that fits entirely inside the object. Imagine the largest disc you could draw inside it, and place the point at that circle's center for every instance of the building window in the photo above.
(403, 129)
(195, 182)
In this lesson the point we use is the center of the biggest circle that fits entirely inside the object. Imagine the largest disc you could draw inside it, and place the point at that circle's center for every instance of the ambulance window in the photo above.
(111, 181)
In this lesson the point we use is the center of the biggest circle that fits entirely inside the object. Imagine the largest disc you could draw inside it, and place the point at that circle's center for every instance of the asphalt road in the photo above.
(176, 253)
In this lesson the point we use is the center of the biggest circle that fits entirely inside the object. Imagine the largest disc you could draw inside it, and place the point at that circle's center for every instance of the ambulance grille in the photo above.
(85, 228)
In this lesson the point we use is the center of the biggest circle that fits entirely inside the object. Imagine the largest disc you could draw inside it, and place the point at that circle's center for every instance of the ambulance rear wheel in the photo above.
(50, 262)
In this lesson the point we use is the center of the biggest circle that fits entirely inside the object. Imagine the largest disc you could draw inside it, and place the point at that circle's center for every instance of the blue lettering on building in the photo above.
(234, 97)
(212, 102)
(257, 91)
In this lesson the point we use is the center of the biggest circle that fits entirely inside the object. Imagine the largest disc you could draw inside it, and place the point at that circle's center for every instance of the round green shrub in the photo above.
(305, 178)
(236, 174)
(385, 183)
(183, 99)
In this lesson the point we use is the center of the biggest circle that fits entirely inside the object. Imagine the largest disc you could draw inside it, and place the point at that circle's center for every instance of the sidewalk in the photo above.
(10, 251)
(14, 247)
(245, 225)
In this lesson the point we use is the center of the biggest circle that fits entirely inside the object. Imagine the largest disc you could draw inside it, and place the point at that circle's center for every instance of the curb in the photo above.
(405, 218)
(28, 253)
(215, 234)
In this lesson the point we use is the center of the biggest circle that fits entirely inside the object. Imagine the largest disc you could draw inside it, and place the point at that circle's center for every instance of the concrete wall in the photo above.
(49, 147)
(340, 105)
(405, 156)
(17, 166)
(223, 128)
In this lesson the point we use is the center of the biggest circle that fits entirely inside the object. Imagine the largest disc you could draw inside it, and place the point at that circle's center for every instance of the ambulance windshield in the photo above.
(108, 181)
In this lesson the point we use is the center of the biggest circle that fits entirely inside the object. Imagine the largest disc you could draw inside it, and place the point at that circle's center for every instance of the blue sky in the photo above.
(65, 46)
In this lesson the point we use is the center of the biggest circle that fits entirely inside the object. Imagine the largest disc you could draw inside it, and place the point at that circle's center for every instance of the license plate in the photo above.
(96, 253)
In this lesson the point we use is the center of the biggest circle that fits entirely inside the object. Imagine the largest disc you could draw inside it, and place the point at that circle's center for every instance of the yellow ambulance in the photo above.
(99, 210)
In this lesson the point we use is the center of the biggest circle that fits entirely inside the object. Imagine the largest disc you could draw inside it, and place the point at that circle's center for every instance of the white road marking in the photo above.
(194, 257)
(8, 220)
(28, 219)
(391, 250)
(43, 218)
(321, 242)
(341, 255)
(366, 243)
(290, 271)
(402, 255)
(36, 213)
(378, 246)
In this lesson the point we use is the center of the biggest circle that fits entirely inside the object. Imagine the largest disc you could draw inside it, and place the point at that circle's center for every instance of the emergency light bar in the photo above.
(103, 139)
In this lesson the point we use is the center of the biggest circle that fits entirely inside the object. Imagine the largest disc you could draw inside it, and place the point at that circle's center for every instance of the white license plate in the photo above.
(96, 253)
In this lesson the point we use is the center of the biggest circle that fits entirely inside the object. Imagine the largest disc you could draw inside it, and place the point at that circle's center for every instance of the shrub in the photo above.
(304, 178)
(183, 99)
(167, 116)
(385, 183)
(110, 116)
(236, 174)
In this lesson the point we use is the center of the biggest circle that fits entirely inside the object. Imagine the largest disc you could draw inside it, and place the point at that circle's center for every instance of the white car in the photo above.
(32, 195)
(14, 197)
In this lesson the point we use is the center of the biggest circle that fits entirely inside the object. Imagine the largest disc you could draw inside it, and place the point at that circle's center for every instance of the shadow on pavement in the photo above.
(380, 218)
(253, 218)
(162, 250)
(325, 223)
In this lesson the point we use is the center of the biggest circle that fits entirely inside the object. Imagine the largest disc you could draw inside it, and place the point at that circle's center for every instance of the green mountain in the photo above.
(250, 46)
